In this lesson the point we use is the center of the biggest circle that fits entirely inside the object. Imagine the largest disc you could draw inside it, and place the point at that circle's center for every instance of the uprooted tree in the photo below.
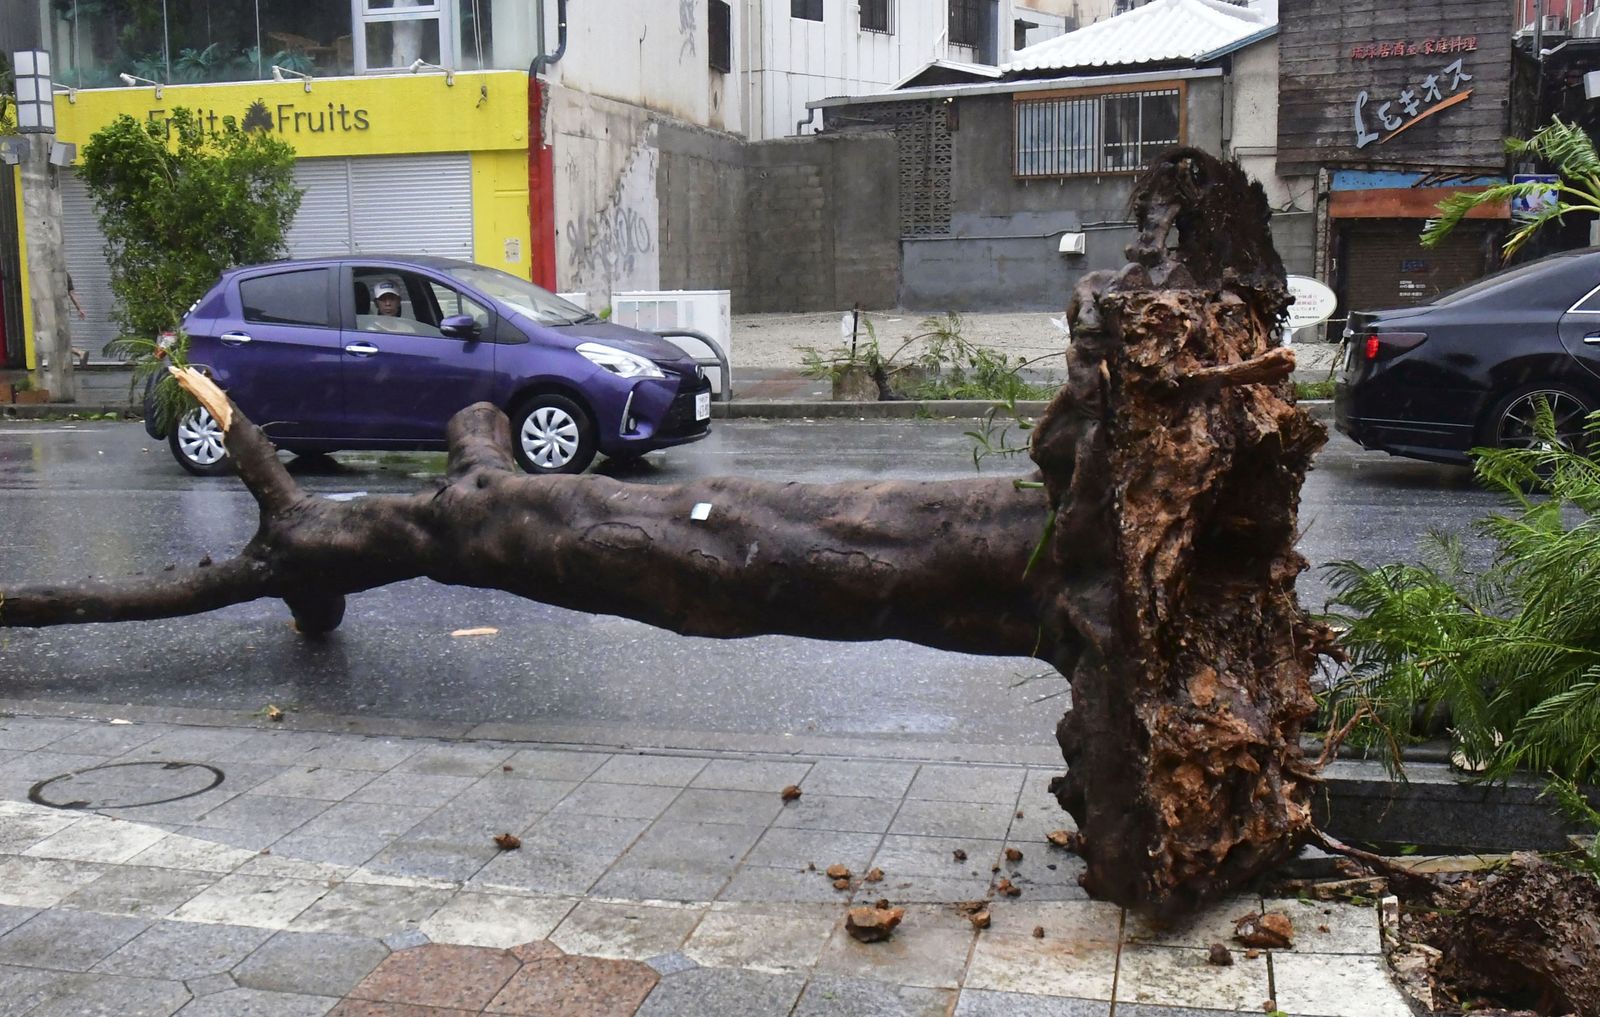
(1164, 520)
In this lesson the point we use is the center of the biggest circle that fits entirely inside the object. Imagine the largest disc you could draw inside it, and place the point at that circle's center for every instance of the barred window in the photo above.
(809, 10)
(875, 16)
(1117, 133)
(966, 22)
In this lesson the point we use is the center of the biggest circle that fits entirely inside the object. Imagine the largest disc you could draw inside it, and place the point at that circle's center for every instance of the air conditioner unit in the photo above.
(1555, 24)
(707, 311)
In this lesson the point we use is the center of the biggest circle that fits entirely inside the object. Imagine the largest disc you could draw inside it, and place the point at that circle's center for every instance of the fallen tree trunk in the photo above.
(1169, 467)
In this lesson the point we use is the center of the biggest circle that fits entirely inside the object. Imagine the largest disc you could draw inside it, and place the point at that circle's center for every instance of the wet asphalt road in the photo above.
(103, 499)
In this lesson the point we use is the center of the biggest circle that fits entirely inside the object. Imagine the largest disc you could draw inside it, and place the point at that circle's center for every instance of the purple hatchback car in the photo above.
(378, 352)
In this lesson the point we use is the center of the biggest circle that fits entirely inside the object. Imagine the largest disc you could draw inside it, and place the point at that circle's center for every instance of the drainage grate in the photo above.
(125, 785)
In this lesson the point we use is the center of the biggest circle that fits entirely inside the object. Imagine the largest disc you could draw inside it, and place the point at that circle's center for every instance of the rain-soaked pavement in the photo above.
(103, 499)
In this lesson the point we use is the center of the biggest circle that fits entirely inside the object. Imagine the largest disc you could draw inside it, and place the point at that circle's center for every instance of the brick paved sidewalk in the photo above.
(351, 875)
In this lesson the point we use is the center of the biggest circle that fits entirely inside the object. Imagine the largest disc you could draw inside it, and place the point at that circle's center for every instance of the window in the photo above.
(288, 298)
(452, 304)
(1116, 133)
(966, 22)
(808, 10)
(875, 16)
(719, 28)
(394, 34)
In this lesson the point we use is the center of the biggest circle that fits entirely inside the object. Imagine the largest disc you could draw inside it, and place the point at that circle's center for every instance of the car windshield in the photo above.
(534, 301)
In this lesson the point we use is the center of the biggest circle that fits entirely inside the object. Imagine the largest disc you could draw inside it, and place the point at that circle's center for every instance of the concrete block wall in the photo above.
(700, 188)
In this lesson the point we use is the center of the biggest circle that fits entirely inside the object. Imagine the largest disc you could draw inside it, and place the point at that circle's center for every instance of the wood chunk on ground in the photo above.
(980, 920)
(790, 793)
(874, 875)
(837, 871)
(1220, 956)
(507, 841)
(1272, 930)
(874, 924)
(1005, 886)
(1013, 855)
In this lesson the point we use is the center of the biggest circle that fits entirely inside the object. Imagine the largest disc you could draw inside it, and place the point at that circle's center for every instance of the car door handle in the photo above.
(1592, 339)
(361, 349)
(234, 338)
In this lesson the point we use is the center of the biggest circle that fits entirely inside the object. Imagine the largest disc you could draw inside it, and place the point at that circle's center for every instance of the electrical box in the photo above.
(1072, 243)
(708, 311)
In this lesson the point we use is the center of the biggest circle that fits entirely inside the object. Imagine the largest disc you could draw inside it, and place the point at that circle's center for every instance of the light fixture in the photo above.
(134, 79)
(72, 93)
(279, 72)
(420, 64)
(36, 103)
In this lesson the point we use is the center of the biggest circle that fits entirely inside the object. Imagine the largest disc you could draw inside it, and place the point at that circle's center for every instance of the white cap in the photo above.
(385, 289)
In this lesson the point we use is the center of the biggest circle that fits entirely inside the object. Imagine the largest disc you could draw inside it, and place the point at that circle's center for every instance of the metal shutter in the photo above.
(1384, 265)
(412, 204)
(86, 263)
(322, 226)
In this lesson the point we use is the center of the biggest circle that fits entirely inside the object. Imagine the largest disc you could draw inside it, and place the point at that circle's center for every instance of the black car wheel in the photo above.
(552, 434)
(196, 443)
(1513, 424)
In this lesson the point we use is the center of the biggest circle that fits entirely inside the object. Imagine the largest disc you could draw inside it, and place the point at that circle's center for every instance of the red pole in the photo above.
(541, 191)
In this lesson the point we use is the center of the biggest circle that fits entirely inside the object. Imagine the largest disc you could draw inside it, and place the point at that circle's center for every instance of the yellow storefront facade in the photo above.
(398, 164)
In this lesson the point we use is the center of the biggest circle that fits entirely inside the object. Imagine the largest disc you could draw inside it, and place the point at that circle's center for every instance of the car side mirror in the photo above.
(460, 326)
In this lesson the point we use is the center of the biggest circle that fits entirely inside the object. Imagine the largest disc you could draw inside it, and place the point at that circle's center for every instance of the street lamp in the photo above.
(284, 74)
(133, 79)
(36, 102)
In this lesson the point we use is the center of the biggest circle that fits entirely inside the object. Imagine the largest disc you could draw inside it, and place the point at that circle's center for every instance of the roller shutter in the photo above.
(386, 204)
(86, 263)
(322, 226)
(1383, 264)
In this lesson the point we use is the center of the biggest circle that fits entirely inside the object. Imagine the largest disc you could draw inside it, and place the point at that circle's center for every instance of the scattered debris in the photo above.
(960, 855)
(994, 868)
(881, 903)
(790, 793)
(1220, 956)
(874, 875)
(980, 920)
(505, 768)
(119, 720)
(837, 871)
(1322, 929)
(1005, 886)
(1272, 930)
(1038, 932)
(1252, 953)
(874, 924)
(1269, 1005)
(841, 884)
(1019, 813)
(972, 907)
(272, 713)
(1066, 840)
(1013, 855)
(811, 866)
(507, 841)
(485, 631)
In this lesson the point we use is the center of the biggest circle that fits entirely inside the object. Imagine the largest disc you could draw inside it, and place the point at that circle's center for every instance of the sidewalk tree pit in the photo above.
(1151, 558)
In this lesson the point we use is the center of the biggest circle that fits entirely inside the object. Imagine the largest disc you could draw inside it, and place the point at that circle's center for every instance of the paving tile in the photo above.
(262, 817)
(11, 917)
(196, 743)
(354, 820)
(576, 987)
(984, 1003)
(206, 985)
(923, 889)
(95, 839)
(460, 977)
(256, 1003)
(1144, 1010)
(723, 992)
(282, 863)
(283, 747)
(929, 949)
(380, 754)
(859, 779)
(597, 798)
(965, 783)
(707, 805)
(1073, 921)
(407, 857)
(771, 940)
(1349, 929)
(110, 739)
(334, 852)
(762, 883)
(904, 855)
(266, 902)
(317, 963)
(410, 789)
(19, 774)
(770, 777)
(1324, 985)
(562, 854)
(139, 891)
(791, 848)
(183, 812)
(456, 760)
(20, 832)
(1182, 976)
(671, 963)
(370, 910)
(831, 996)
(495, 920)
(67, 940)
(670, 771)
(1052, 966)
(625, 931)
(325, 782)
(180, 851)
(515, 800)
(1212, 925)
(657, 883)
(371, 1008)
(184, 950)
(929, 818)
(555, 764)
(840, 813)
(28, 733)
(693, 846)
(22, 989)
(111, 996)
(43, 882)
(1045, 874)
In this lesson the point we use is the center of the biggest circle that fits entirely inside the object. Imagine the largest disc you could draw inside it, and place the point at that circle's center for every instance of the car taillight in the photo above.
(1382, 345)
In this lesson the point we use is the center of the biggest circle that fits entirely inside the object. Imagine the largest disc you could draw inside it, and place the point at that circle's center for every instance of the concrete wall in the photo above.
(700, 191)
(822, 224)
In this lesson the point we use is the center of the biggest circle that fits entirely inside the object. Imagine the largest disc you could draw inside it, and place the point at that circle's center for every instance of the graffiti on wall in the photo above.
(610, 239)
(686, 25)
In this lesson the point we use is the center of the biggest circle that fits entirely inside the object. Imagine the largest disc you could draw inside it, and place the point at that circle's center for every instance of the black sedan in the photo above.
(1471, 368)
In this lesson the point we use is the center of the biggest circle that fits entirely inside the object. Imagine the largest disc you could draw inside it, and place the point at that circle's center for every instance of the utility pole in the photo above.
(41, 224)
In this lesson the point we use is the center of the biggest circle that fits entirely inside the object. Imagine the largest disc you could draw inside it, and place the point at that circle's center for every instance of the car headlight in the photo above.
(628, 365)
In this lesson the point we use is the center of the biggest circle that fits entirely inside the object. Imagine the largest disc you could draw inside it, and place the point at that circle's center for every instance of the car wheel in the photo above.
(1512, 423)
(196, 443)
(552, 434)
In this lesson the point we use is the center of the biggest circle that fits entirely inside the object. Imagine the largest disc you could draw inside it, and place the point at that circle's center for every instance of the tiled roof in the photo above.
(1160, 32)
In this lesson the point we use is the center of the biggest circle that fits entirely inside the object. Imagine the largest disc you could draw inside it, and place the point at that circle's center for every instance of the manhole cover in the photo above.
(125, 785)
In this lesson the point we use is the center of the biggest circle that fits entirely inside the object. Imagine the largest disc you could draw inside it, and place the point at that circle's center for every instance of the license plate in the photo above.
(702, 406)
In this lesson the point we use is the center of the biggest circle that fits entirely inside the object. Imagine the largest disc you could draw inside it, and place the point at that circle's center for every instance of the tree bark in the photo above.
(1153, 563)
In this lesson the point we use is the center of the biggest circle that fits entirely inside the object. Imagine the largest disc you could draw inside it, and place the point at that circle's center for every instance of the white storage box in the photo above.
(708, 311)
